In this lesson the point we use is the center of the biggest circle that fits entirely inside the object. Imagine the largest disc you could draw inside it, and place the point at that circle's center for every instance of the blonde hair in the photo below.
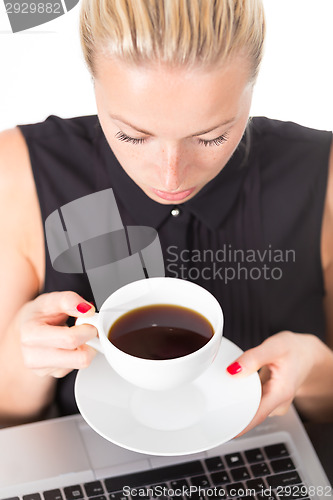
(177, 32)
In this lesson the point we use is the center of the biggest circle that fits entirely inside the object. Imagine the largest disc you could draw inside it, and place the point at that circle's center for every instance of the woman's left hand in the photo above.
(288, 363)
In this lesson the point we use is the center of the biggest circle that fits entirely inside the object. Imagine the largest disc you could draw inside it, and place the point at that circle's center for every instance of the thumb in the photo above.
(86, 308)
(68, 303)
(250, 361)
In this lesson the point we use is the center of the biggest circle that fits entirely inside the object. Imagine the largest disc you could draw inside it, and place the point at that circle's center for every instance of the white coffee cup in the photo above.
(149, 373)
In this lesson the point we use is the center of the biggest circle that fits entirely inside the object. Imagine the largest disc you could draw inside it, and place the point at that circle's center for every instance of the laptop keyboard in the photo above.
(266, 473)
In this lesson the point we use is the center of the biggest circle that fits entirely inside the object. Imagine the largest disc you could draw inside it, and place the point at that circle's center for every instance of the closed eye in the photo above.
(121, 136)
(126, 138)
(214, 142)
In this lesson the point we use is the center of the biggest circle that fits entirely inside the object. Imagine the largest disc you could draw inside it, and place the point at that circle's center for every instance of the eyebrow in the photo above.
(138, 129)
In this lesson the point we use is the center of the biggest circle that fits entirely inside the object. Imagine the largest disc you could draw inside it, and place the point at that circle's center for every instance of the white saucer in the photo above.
(201, 415)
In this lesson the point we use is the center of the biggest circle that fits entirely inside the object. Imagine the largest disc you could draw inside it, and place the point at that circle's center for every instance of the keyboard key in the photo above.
(240, 473)
(179, 484)
(213, 495)
(118, 495)
(270, 495)
(234, 460)
(194, 496)
(293, 493)
(53, 495)
(159, 490)
(143, 493)
(214, 463)
(282, 465)
(33, 496)
(258, 485)
(12, 498)
(94, 488)
(220, 478)
(261, 469)
(200, 481)
(276, 451)
(283, 479)
(101, 497)
(221, 494)
(73, 492)
(254, 455)
(235, 490)
(154, 475)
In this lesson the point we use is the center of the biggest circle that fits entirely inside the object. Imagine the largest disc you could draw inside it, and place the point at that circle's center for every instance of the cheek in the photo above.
(214, 158)
(133, 159)
(126, 153)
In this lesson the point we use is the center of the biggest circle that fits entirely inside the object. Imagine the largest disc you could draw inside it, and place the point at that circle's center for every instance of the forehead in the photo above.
(156, 96)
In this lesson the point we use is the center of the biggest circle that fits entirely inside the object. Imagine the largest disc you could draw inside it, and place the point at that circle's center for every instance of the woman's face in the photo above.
(172, 130)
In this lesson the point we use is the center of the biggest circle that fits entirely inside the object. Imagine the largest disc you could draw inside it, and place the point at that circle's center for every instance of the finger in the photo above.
(53, 359)
(274, 397)
(68, 303)
(56, 373)
(63, 337)
(282, 409)
(249, 362)
(257, 357)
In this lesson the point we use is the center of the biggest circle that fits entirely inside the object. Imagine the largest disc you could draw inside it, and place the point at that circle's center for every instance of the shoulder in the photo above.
(14, 164)
(35, 161)
(83, 127)
(284, 131)
(21, 228)
(18, 148)
(293, 160)
(290, 146)
(63, 155)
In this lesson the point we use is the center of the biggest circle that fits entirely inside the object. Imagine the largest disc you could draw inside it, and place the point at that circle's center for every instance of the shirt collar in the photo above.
(211, 205)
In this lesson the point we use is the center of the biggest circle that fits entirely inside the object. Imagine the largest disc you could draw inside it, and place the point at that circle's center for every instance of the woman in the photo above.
(173, 83)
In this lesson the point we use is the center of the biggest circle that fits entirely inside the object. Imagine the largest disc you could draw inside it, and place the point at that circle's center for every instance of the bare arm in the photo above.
(21, 391)
(327, 254)
(315, 397)
(36, 346)
(298, 367)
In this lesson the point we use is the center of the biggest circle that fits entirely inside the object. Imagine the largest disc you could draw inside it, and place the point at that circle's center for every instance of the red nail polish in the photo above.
(234, 368)
(83, 307)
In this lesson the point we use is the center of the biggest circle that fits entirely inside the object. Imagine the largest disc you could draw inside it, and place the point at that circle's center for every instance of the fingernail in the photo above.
(234, 368)
(83, 307)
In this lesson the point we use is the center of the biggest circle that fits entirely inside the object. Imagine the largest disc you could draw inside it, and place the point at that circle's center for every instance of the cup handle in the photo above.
(91, 320)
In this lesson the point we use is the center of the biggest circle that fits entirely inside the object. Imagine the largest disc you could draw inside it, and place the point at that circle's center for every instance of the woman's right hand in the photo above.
(49, 346)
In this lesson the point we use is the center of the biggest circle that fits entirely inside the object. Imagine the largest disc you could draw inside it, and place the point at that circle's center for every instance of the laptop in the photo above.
(64, 459)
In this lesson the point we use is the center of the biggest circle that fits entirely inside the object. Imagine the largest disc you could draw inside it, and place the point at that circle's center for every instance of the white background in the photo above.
(42, 70)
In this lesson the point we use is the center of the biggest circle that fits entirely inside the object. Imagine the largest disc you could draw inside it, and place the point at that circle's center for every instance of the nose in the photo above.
(171, 177)
(171, 171)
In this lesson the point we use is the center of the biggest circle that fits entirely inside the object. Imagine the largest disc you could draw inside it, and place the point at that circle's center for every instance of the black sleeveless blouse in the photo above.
(251, 236)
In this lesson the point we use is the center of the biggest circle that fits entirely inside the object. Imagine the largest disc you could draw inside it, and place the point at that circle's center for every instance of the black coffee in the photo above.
(160, 331)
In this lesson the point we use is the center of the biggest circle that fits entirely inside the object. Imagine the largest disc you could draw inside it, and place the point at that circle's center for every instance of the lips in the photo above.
(178, 196)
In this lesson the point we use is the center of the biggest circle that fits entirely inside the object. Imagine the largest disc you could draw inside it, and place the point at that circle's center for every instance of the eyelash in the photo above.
(213, 142)
(126, 138)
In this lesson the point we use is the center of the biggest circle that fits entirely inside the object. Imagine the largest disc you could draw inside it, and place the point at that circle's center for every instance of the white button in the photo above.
(175, 212)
